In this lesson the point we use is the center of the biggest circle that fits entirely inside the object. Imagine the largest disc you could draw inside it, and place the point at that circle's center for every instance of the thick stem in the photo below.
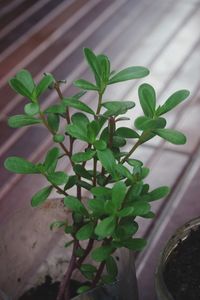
(111, 131)
(79, 190)
(99, 104)
(66, 279)
(87, 251)
(98, 274)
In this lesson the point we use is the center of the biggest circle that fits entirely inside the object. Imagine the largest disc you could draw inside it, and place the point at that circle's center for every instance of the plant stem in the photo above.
(58, 90)
(98, 274)
(131, 151)
(99, 104)
(87, 251)
(59, 189)
(66, 279)
(111, 131)
(95, 171)
(42, 116)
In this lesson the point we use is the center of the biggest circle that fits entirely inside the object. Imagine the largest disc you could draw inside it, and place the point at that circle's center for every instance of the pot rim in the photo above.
(180, 234)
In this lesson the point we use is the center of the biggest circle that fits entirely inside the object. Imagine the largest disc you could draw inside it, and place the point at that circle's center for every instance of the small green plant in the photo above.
(117, 193)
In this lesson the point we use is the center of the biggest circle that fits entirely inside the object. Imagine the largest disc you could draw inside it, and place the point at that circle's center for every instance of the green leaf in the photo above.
(101, 191)
(172, 136)
(77, 132)
(71, 182)
(102, 253)
(51, 159)
(81, 171)
(105, 227)
(83, 289)
(97, 206)
(108, 279)
(135, 244)
(147, 98)
(84, 184)
(80, 119)
(94, 64)
(58, 138)
(92, 131)
(127, 133)
(31, 109)
(83, 156)
(44, 84)
(149, 215)
(138, 208)
(159, 193)
(146, 123)
(100, 145)
(118, 107)
(58, 178)
(53, 121)
(79, 95)
(20, 165)
(26, 79)
(75, 205)
(22, 120)
(85, 232)
(111, 266)
(135, 162)
(118, 141)
(18, 87)
(88, 268)
(57, 224)
(129, 226)
(123, 171)
(118, 194)
(56, 109)
(128, 74)
(105, 67)
(85, 85)
(41, 196)
(173, 101)
(69, 243)
(144, 173)
(71, 102)
(107, 160)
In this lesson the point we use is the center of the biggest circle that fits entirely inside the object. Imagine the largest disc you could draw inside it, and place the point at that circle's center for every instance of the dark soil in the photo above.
(48, 290)
(182, 272)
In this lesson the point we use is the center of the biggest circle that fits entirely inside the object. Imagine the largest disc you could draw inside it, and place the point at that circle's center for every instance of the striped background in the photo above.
(48, 36)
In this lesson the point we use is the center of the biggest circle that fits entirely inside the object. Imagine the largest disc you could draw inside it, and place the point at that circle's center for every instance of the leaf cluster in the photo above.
(116, 184)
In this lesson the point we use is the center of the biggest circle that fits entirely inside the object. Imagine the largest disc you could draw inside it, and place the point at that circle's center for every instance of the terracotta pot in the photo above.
(181, 234)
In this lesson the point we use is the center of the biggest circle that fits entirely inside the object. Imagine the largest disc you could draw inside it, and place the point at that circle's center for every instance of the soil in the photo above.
(182, 272)
(48, 290)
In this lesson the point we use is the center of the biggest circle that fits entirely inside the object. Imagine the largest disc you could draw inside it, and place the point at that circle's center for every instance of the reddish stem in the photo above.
(98, 274)
(64, 285)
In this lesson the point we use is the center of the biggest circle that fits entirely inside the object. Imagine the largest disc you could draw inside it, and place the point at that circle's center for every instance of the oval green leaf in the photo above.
(41, 196)
(147, 98)
(22, 120)
(128, 74)
(172, 136)
(20, 165)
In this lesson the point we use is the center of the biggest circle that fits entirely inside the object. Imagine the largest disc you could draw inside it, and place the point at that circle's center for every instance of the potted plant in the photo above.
(177, 274)
(116, 191)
